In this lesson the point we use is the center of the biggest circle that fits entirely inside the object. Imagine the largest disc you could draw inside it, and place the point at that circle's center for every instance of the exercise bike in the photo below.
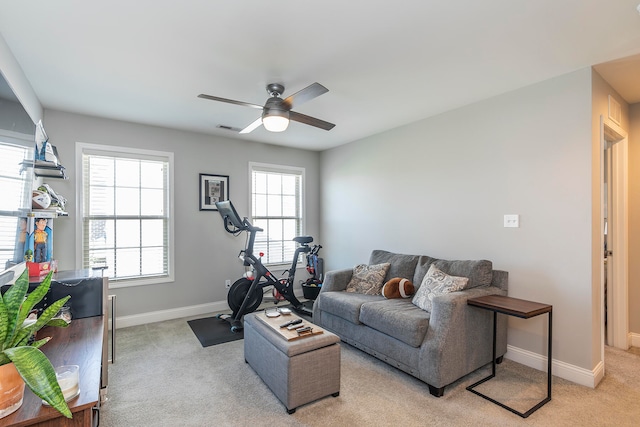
(245, 295)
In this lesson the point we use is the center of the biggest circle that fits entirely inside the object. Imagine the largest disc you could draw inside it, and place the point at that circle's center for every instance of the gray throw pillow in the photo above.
(479, 272)
(436, 283)
(401, 265)
(368, 279)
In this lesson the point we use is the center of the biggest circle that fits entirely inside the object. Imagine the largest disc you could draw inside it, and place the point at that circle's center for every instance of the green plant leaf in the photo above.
(22, 338)
(4, 324)
(40, 343)
(59, 323)
(48, 314)
(39, 375)
(21, 333)
(34, 297)
(13, 299)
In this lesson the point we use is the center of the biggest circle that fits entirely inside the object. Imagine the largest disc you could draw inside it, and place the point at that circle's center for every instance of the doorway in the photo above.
(614, 293)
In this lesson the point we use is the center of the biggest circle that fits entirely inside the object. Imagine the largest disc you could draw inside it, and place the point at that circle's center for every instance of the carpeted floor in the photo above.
(164, 377)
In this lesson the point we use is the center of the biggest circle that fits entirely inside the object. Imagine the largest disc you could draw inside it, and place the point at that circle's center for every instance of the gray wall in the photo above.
(18, 82)
(205, 254)
(442, 185)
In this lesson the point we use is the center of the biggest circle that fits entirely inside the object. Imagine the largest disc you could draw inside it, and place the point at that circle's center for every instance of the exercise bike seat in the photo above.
(303, 240)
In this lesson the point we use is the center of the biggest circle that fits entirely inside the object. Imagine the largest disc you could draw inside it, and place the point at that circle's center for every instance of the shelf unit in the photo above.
(46, 169)
(47, 213)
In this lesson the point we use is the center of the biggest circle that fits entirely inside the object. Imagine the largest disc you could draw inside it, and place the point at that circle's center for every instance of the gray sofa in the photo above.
(438, 347)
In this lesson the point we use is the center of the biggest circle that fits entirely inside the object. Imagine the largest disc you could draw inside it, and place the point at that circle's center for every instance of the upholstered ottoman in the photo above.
(298, 371)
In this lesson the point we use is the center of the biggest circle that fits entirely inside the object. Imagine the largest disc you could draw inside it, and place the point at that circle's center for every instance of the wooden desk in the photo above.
(518, 308)
(79, 344)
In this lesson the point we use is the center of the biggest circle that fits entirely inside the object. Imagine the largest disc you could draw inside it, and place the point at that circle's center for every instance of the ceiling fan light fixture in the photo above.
(275, 120)
(277, 112)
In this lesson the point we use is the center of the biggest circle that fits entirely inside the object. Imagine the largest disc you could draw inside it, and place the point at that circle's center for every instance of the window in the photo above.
(15, 198)
(276, 207)
(126, 213)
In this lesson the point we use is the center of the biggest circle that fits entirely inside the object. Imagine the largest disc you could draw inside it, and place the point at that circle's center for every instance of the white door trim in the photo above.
(612, 135)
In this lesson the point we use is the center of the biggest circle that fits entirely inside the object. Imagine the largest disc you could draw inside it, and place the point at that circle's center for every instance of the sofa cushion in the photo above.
(479, 272)
(397, 318)
(422, 266)
(401, 265)
(368, 279)
(345, 304)
(436, 283)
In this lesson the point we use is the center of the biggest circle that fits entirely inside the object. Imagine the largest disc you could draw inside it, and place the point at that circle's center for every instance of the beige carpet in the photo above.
(163, 377)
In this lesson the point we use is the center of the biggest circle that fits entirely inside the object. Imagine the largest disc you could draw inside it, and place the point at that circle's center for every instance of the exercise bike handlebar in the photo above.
(230, 218)
(246, 226)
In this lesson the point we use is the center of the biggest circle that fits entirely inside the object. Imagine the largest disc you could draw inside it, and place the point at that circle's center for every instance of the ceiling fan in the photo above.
(276, 112)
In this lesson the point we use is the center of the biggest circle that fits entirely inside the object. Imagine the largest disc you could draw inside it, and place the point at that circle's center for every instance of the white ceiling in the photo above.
(385, 63)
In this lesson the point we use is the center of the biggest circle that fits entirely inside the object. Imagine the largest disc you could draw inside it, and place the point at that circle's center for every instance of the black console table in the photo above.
(518, 308)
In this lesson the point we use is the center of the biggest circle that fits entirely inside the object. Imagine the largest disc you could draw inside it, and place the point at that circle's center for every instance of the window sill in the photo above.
(129, 283)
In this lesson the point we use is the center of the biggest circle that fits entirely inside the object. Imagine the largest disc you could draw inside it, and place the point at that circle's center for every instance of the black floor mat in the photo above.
(211, 331)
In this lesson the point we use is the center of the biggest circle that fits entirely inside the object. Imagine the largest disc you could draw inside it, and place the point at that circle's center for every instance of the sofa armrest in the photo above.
(336, 280)
(459, 336)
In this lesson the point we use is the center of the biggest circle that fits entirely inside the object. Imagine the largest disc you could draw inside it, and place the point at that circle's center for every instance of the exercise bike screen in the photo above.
(227, 211)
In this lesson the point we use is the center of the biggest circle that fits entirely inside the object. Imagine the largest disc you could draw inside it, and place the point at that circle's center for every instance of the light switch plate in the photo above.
(512, 221)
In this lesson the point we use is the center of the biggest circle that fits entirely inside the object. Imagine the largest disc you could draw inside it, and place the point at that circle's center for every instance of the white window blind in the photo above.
(15, 200)
(277, 207)
(126, 223)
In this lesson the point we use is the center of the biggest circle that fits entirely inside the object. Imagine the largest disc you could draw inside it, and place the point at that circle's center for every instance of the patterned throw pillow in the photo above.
(368, 279)
(435, 283)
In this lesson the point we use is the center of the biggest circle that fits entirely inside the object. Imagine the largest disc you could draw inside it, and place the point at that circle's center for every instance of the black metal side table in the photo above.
(525, 310)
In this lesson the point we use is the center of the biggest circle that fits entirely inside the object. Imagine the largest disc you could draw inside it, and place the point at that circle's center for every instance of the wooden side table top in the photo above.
(511, 306)
(78, 344)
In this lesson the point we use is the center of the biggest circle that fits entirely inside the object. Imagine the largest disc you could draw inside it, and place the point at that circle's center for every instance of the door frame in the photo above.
(618, 227)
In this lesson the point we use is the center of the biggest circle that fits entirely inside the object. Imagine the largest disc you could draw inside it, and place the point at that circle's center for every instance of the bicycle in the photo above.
(245, 294)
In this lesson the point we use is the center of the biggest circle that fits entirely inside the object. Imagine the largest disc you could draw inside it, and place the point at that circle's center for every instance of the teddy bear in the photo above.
(398, 288)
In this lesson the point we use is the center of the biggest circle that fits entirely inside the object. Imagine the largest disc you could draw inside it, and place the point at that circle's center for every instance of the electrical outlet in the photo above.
(227, 283)
(512, 221)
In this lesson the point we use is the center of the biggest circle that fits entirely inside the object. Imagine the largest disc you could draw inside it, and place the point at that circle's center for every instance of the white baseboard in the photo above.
(560, 369)
(173, 313)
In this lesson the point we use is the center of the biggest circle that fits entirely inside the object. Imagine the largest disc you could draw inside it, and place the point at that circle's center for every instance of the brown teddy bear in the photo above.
(398, 288)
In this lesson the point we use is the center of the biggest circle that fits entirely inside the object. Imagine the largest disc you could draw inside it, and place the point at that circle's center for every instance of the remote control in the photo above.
(292, 322)
(305, 330)
(296, 326)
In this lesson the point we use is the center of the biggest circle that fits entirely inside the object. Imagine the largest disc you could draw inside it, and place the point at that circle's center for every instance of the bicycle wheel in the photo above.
(238, 292)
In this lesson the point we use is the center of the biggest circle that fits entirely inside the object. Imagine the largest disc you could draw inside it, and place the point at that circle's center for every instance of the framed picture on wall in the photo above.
(213, 188)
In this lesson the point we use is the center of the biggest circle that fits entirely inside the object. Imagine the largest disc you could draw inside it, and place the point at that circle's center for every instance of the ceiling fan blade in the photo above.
(252, 126)
(308, 93)
(229, 101)
(311, 121)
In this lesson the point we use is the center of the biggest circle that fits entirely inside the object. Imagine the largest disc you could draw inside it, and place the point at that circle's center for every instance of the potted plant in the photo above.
(18, 346)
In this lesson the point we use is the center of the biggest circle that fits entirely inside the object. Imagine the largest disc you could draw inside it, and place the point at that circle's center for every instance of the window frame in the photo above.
(282, 169)
(25, 142)
(134, 153)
